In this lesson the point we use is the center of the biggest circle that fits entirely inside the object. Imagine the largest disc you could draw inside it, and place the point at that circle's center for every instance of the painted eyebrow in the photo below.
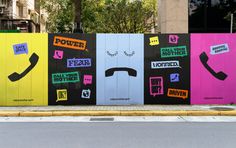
(129, 54)
(112, 54)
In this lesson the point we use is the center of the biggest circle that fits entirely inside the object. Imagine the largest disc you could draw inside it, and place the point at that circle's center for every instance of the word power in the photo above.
(69, 43)
(154, 41)
(58, 54)
(88, 79)
(68, 77)
(174, 77)
(86, 93)
(61, 95)
(173, 39)
(156, 86)
(179, 51)
(218, 49)
(177, 93)
(20, 48)
(72, 63)
(165, 64)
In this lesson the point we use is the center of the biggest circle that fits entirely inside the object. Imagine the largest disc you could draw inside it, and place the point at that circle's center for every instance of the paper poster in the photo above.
(72, 67)
(120, 59)
(24, 69)
(213, 68)
(167, 69)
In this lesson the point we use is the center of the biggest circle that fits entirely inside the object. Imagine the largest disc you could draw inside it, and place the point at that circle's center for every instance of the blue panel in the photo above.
(120, 61)
(136, 90)
(111, 59)
(101, 40)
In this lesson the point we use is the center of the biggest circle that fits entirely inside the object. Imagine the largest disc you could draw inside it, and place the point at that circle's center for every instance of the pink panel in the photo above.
(213, 79)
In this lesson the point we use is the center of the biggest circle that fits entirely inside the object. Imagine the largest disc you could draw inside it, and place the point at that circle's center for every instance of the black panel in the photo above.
(153, 53)
(74, 90)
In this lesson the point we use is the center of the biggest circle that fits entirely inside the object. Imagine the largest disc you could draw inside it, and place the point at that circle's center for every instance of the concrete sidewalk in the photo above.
(141, 110)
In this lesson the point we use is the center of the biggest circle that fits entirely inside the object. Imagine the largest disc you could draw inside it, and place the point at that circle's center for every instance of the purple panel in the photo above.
(213, 68)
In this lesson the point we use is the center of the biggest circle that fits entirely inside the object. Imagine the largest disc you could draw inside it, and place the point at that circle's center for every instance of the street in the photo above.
(117, 134)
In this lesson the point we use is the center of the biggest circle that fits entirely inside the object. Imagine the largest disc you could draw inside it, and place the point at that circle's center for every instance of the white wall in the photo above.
(14, 10)
(30, 4)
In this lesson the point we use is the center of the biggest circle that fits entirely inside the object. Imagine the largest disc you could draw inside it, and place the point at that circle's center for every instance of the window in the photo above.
(3, 2)
(19, 10)
(207, 16)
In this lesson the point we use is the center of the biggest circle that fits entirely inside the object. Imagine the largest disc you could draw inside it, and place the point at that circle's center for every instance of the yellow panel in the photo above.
(32, 89)
(12, 65)
(2, 69)
(40, 75)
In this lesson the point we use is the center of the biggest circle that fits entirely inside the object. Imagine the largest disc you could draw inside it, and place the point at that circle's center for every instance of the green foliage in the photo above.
(119, 16)
(60, 15)
(103, 16)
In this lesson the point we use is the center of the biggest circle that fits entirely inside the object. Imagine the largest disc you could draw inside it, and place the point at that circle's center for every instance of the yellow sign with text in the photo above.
(61, 95)
(154, 41)
(23, 69)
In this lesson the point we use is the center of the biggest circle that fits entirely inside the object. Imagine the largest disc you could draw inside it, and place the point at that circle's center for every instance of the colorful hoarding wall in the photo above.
(213, 68)
(23, 69)
(116, 69)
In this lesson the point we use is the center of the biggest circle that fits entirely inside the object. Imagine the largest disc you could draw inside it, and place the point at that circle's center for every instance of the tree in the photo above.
(60, 15)
(77, 17)
(119, 16)
(116, 16)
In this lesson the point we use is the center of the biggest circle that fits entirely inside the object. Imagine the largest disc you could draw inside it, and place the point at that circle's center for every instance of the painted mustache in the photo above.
(130, 71)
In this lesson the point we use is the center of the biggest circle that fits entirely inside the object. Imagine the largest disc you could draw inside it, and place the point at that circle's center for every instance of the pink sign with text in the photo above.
(88, 79)
(213, 68)
(156, 86)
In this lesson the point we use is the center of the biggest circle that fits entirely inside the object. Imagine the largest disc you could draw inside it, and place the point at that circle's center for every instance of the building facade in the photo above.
(22, 16)
(197, 16)
(212, 16)
(173, 16)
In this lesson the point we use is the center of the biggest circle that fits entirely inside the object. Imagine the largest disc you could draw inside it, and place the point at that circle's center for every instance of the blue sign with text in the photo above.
(20, 48)
(79, 62)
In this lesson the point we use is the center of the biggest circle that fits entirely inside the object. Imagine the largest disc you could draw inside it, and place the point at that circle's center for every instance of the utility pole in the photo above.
(231, 23)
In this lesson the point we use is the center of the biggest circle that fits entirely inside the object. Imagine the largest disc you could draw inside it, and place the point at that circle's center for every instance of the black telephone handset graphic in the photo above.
(130, 71)
(219, 75)
(33, 61)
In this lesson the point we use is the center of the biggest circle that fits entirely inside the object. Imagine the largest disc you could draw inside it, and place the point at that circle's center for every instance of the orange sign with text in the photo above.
(177, 93)
(69, 43)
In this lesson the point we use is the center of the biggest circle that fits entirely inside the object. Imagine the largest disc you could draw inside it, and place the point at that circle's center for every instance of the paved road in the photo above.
(118, 135)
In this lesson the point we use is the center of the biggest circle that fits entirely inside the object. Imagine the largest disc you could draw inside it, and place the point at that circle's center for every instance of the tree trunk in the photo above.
(77, 20)
(209, 3)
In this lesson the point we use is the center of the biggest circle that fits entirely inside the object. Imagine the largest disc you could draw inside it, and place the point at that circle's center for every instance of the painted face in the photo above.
(120, 69)
(25, 72)
(212, 70)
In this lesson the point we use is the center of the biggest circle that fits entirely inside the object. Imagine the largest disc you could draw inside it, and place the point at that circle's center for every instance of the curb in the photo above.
(115, 113)
(9, 113)
(35, 114)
